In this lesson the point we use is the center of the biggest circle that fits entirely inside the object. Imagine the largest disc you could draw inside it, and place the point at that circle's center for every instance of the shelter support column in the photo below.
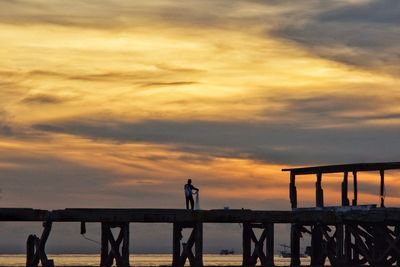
(295, 235)
(382, 188)
(319, 192)
(345, 189)
(355, 189)
(293, 191)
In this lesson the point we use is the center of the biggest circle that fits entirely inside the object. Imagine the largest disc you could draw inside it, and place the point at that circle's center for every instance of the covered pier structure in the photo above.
(374, 242)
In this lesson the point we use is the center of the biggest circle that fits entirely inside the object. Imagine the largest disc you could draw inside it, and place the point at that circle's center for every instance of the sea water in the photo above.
(136, 260)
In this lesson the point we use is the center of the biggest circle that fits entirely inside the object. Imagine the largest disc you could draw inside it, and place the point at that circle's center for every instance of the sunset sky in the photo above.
(112, 103)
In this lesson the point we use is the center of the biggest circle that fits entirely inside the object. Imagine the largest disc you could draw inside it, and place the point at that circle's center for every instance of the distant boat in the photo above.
(226, 252)
(285, 252)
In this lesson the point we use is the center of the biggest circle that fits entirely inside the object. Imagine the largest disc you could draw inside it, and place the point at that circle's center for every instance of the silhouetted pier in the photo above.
(340, 236)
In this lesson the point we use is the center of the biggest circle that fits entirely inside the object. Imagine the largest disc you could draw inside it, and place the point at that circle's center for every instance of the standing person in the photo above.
(189, 194)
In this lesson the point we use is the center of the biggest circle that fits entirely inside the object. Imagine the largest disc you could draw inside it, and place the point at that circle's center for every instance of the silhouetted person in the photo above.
(189, 194)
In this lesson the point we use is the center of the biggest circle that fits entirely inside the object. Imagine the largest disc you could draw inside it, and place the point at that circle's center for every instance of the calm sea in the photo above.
(136, 260)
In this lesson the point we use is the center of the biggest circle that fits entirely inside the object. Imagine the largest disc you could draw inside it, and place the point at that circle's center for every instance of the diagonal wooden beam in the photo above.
(253, 236)
(263, 236)
(187, 249)
(362, 248)
(392, 245)
(115, 246)
(36, 248)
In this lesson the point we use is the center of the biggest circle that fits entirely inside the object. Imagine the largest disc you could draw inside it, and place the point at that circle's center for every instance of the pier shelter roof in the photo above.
(354, 167)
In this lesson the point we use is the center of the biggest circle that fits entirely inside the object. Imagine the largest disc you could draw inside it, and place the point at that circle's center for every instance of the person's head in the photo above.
(189, 181)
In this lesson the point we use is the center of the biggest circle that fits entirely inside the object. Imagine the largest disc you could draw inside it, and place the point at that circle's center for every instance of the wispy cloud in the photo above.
(177, 83)
(5, 128)
(43, 99)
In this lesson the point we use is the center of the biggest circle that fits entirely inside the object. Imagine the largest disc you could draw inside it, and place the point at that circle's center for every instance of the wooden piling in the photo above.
(36, 248)
(104, 246)
(316, 245)
(125, 245)
(198, 257)
(270, 245)
(114, 249)
(397, 235)
(339, 236)
(294, 246)
(179, 257)
(246, 244)
(176, 244)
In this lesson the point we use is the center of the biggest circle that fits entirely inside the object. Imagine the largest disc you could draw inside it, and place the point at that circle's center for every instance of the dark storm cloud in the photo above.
(278, 143)
(331, 106)
(334, 109)
(382, 11)
(364, 35)
(35, 178)
(5, 129)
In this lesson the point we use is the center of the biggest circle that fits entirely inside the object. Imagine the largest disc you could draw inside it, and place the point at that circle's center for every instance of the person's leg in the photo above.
(187, 203)
(191, 202)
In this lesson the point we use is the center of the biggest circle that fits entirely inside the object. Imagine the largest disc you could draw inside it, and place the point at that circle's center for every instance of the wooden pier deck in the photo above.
(326, 215)
(117, 248)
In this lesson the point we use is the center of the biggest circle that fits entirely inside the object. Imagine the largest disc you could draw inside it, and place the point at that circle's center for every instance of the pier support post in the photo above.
(397, 234)
(263, 246)
(347, 245)
(183, 251)
(317, 255)
(295, 245)
(36, 248)
(114, 249)
(339, 235)
(246, 242)
(176, 244)
(270, 244)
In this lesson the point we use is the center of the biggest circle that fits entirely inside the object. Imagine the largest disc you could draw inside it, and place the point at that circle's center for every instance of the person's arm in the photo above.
(194, 188)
